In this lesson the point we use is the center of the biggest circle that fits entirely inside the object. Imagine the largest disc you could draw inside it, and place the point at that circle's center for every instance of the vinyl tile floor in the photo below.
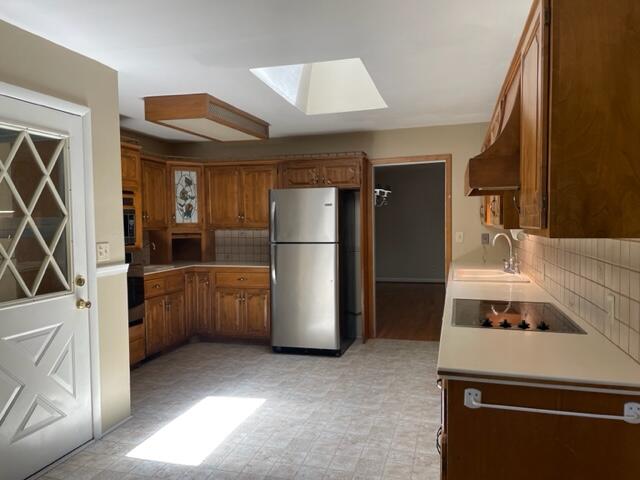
(222, 411)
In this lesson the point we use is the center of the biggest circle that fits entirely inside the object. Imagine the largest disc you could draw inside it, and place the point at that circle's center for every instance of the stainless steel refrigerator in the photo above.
(308, 304)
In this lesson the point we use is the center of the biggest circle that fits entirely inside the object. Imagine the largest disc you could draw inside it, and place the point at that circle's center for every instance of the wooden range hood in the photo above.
(206, 116)
(497, 168)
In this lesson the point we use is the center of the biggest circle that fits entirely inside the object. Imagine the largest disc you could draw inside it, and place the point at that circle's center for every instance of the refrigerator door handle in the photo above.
(274, 229)
(274, 258)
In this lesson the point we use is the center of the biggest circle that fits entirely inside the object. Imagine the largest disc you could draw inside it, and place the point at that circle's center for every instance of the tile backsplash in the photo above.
(242, 245)
(588, 276)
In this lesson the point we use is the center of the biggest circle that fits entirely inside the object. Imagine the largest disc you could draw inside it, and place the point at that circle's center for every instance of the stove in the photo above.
(512, 316)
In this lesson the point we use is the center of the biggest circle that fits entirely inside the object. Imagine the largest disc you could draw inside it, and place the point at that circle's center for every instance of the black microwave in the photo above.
(129, 219)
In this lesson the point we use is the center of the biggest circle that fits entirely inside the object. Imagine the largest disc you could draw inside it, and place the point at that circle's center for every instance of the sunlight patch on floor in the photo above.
(195, 434)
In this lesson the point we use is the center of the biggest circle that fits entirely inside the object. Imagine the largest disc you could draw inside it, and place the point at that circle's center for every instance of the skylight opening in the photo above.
(193, 436)
(318, 88)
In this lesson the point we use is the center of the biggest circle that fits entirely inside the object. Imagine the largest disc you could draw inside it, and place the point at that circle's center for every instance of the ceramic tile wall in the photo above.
(242, 245)
(587, 275)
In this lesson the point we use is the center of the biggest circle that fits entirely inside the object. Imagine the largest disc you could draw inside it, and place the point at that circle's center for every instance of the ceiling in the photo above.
(435, 62)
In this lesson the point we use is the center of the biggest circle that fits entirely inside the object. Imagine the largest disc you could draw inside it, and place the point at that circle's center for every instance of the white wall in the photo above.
(409, 230)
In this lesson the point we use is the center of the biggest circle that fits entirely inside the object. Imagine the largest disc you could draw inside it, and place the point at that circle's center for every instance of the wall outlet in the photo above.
(484, 238)
(459, 237)
(103, 252)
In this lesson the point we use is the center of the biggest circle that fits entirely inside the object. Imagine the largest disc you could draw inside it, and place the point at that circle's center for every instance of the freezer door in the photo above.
(304, 215)
(304, 296)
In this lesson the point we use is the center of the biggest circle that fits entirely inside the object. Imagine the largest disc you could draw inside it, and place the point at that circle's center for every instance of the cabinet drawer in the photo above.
(136, 332)
(242, 279)
(136, 351)
(174, 283)
(154, 287)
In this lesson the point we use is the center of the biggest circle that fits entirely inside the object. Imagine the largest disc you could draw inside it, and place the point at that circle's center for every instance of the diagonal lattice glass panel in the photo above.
(24, 170)
(34, 254)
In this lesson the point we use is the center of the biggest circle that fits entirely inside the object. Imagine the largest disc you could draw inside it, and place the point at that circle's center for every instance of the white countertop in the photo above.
(585, 359)
(151, 269)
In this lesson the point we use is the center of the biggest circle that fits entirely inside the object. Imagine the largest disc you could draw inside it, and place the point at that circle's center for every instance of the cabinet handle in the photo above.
(515, 203)
(156, 285)
(328, 182)
(493, 207)
(482, 210)
(242, 279)
(473, 400)
(438, 445)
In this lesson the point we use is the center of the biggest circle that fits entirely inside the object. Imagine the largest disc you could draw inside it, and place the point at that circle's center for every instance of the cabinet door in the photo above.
(190, 303)
(185, 196)
(228, 311)
(154, 319)
(533, 126)
(131, 168)
(223, 196)
(153, 199)
(175, 318)
(256, 183)
(203, 317)
(341, 173)
(300, 174)
(256, 312)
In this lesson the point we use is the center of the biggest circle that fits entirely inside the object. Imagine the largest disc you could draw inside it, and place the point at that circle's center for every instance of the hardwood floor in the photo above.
(409, 311)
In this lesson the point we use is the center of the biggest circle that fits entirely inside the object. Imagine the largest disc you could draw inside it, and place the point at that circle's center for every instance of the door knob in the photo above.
(80, 304)
(80, 281)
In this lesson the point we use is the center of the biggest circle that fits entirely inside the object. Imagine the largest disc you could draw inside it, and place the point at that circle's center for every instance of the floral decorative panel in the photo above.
(186, 185)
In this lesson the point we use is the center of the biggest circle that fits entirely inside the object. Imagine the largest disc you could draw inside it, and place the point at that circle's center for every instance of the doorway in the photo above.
(45, 280)
(410, 225)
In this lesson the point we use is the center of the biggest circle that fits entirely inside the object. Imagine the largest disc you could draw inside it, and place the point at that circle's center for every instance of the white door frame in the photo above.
(84, 112)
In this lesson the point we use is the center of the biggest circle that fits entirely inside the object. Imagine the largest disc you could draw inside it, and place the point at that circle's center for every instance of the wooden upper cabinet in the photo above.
(533, 154)
(300, 174)
(256, 312)
(185, 196)
(341, 173)
(322, 172)
(223, 185)
(256, 183)
(154, 185)
(239, 196)
(131, 166)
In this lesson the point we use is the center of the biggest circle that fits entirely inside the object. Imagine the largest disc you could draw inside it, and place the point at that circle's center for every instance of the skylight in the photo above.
(324, 87)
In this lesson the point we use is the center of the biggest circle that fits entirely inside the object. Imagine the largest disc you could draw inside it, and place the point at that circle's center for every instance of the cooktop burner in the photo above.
(512, 316)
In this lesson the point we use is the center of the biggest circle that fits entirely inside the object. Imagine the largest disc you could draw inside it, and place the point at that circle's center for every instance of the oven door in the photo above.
(135, 294)
(129, 219)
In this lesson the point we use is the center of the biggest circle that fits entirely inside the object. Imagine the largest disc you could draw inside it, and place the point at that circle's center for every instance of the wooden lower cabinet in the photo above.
(165, 312)
(175, 319)
(137, 346)
(229, 312)
(242, 312)
(498, 444)
(198, 303)
(256, 311)
(204, 324)
(154, 313)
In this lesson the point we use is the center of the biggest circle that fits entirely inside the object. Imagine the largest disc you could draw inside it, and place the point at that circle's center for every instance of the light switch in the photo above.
(103, 252)
(459, 237)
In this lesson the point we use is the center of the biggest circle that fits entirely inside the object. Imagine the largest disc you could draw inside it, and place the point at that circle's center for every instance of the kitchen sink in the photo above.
(487, 275)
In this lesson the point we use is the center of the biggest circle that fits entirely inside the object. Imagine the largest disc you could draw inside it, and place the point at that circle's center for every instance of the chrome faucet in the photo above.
(512, 265)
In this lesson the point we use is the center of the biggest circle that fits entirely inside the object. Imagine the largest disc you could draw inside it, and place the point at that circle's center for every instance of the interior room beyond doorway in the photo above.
(410, 243)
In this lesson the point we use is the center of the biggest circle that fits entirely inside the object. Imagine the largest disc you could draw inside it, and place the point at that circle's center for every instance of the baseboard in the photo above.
(409, 280)
(114, 427)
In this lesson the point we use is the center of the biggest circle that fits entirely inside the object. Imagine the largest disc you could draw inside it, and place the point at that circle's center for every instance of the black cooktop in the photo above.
(512, 316)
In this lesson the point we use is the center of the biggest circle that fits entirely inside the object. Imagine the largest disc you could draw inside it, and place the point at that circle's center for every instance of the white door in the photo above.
(45, 383)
